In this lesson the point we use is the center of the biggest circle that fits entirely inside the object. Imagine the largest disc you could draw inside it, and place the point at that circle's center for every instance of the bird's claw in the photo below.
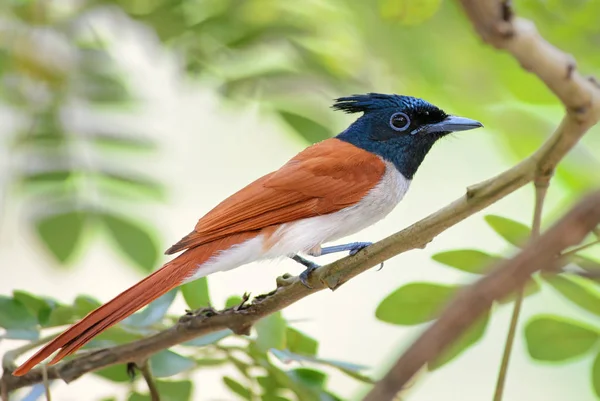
(359, 247)
(304, 276)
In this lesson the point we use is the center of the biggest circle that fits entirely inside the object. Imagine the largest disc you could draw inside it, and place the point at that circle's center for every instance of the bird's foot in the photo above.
(353, 248)
(310, 267)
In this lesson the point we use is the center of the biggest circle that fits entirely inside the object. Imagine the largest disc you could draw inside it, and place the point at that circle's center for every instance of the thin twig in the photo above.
(147, 375)
(580, 248)
(46, 382)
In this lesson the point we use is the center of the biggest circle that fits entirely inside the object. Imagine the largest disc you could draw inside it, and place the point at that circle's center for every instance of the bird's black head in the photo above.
(401, 129)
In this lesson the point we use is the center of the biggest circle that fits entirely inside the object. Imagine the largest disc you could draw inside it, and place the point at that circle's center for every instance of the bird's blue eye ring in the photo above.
(399, 121)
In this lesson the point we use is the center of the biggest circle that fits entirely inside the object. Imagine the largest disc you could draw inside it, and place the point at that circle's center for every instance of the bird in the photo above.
(331, 189)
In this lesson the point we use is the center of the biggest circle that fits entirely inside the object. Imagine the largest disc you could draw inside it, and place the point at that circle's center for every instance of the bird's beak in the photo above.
(451, 124)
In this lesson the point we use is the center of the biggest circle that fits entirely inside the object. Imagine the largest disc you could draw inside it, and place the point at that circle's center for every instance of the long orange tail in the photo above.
(171, 275)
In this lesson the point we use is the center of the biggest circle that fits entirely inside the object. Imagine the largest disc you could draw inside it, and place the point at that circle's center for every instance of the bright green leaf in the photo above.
(468, 260)
(464, 342)
(154, 312)
(196, 293)
(167, 363)
(61, 233)
(408, 12)
(596, 375)
(415, 303)
(300, 343)
(14, 315)
(554, 338)
(237, 388)
(271, 332)
(209, 338)
(512, 231)
(133, 240)
(310, 130)
(578, 290)
(309, 377)
(232, 301)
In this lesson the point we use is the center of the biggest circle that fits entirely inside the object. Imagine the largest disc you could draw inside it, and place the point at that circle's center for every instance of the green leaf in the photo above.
(61, 315)
(310, 130)
(468, 260)
(131, 183)
(154, 312)
(512, 231)
(271, 332)
(586, 263)
(33, 303)
(415, 303)
(578, 290)
(21, 334)
(237, 388)
(196, 293)
(464, 342)
(167, 363)
(232, 301)
(309, 377)
(61, 233)
(14, 315)
(133, 240)
(596, 375)
(300, 343)
(408, 12)
(122, 142)
(84, 304)
(209, 338)
(57, 177)
(555, 338)
(168, 390)
(115, 373)
(114, 336)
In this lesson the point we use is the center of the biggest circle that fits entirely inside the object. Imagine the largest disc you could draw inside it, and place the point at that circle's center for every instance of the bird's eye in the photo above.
(399, 122)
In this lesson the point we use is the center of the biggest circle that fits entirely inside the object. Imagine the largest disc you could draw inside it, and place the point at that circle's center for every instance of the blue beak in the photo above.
(449, 124)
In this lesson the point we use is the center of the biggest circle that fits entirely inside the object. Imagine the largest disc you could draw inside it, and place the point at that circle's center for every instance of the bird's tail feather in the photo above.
(171, 275)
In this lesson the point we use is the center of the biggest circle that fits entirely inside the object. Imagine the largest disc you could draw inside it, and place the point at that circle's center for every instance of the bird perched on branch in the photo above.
(332, 189)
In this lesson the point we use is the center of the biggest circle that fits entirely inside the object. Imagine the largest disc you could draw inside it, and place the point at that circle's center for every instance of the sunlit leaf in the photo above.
(167, 363)
(232, 301)
(300, 343)
(14, 315)
(468, 260)
(133, 240)
(512, 231)
(578, 290)
(237, 388)
(596, 375)
(196, 293)
(555, 339)
(270, 332)
(310, 130)
(308, 377)
(409, 12)
(415, 303)
(61, 233)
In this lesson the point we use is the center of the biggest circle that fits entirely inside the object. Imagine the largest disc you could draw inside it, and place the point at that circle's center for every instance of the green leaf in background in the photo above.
(309, 377)
(116, 335)
(587, 264)
(115, 373)
(121, 142)
(154, 312)
(133, 240)
(237, 388)
(468, 260)
(596, 375)
(38, 306)
(408, 12)
(167, 363)
(61, 233)
(84, 304)
(61, 315)
(512, 231)
(21, 334)
(464, 342)
(232, 301)
(14, 315)
(271, 332)
(415, 303)
(196, 293)
(209, 338)
(555, 339)
(582, 292)
(168, 390)
(310, 130)
(131, 183)
(300, 343)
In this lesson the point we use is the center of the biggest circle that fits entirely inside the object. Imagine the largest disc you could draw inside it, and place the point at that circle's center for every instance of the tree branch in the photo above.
(581, 96)
(475, 300)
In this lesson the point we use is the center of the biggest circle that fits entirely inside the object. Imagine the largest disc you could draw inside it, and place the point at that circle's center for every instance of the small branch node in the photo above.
(571, 66)
(507, 11)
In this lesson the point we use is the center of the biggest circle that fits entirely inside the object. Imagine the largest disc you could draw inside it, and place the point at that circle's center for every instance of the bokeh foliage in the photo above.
(56, 70)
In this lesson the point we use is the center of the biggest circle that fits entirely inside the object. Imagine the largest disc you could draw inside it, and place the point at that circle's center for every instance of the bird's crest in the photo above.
(374, 101)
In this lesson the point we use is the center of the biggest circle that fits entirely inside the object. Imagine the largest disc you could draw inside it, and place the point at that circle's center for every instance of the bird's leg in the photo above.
(353, 248)
(310, 266)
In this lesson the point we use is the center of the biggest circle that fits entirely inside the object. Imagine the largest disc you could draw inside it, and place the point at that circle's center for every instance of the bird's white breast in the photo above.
(306, 234)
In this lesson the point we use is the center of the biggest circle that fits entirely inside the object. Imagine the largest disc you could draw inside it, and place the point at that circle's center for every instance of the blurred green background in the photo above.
(122, 122)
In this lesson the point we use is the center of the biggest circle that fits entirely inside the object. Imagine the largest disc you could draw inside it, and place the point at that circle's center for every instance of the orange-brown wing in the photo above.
(324, 178)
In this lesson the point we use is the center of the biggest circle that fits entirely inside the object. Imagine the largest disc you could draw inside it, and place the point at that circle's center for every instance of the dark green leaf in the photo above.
(301, 343)
(468, 260)
(61, 233)
(271, 332)
(115, 373)
(309, 377)
(512, 231)
(196, 293)
(554, 338)
(578, 290)
(14, 315)
(209, 338)
(415, 303)
(154, 312)
(167, 363)
(48, 177)
(237, 388)
(596, 375)
(232, 301)
(310, 130)
(464, 342)
(133, 240)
